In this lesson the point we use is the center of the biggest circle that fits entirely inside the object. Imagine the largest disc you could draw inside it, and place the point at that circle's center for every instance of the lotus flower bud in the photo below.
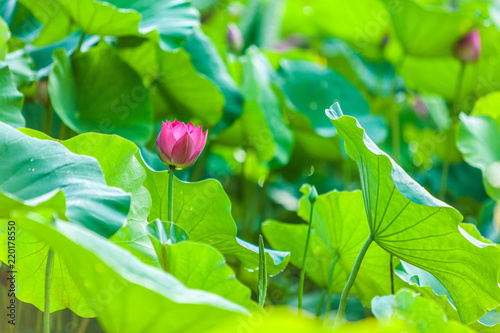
(420, 108)
(234, 38)
(179, 145)
(468, 48)
(313, 194)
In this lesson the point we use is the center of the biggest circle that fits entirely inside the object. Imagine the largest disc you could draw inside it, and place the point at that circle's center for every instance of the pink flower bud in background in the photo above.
(420, 108)
(468, 48)
(291, 42)
(234, 38)
(179, 145)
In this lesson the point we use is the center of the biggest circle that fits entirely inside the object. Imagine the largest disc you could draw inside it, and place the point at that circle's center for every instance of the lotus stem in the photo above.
(321, 302)
(350, 281)
(302, 269)
(391, 267)
(80, 43)
(262, 283)
(170, 209)
(48, 279)
(83, 325)
(330, 280)
(48, 120)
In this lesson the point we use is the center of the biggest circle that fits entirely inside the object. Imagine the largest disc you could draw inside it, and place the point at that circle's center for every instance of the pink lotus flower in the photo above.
(179, 145)
(468, 48)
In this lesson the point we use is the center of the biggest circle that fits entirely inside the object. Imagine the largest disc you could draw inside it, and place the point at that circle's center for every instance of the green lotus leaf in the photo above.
(31, 255)
(168, 21)
(59, 18)
(297, 76)
(21, 68)
(261, 126)
(4, 37)
(22, 23)
(11, 100)
(416, 24)
(162, 234)
(478, 140)
(173, 19)
(117, 159)
(429, 287)
(260, 23)
(36, 167)
(102, 18)
(115, 155)
(206, 60)
(197, 265)
(439, 75)
(200, 266)
(376, 76)
(419, 314)
(203, 210)
(339, 229)
(175, 87)
(179, 89)
(488, 106)
(406, 221)
(98, 92)
(165, 233)
(117, 284)
(354, 22)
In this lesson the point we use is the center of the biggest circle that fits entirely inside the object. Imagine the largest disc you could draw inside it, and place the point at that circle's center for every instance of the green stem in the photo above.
(38, 321)
(302, 269)
(391, 267)
(83, 325)
(63, 132)
(59, 321)
(48, 278)
(80, 43)
(251, 199)
(262, 283)
(330, 280)
(350, 281)
(444, 179)
(395, 125)
(170, 211)
(48, 120)
(321, 302)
